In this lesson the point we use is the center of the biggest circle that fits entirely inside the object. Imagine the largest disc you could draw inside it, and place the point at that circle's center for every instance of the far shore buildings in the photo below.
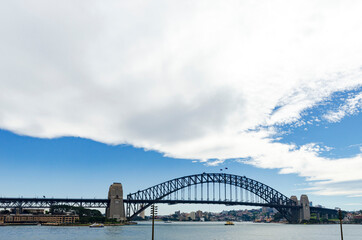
(34, 216)
(45, 218)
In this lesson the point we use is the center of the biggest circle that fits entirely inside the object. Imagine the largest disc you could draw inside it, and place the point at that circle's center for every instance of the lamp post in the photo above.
(340, 221)
(153, 213)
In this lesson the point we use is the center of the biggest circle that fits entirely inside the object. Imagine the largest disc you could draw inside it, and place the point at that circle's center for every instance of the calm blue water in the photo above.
(184, 231)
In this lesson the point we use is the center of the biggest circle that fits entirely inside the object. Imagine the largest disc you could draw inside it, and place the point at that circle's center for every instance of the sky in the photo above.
(140, 92)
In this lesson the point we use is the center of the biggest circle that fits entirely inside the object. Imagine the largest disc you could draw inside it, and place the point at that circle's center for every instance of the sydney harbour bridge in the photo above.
(205, 188)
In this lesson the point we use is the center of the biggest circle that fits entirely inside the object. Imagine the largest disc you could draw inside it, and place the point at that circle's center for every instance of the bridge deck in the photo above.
(103, 203)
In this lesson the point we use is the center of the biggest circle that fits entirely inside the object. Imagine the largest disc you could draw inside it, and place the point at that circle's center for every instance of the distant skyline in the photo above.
(141, 92)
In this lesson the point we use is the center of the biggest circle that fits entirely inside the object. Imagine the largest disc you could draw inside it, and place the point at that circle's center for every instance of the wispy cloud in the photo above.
(353, 204)
(353, 105)
(191, 79)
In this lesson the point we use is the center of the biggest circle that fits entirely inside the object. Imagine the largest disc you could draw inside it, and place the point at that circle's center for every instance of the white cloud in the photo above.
(353, 105)
(350, 188)
(186, 78)
(353, 204)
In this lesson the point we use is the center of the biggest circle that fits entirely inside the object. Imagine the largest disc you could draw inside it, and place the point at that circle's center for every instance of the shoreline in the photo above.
(135, 223)
(65, 225)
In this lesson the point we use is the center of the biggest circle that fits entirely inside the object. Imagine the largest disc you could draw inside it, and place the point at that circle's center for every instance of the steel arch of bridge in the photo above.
(140, 200)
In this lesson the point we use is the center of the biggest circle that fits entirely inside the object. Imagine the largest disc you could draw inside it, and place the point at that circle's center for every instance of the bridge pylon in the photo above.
(115, 209)
(302, 213)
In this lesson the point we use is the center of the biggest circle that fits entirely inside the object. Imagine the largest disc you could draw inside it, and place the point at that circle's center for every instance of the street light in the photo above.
(340, 221)
(153, 213)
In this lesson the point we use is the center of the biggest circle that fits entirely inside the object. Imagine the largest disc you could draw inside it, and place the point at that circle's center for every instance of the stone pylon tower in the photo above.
(295, 212)
(305, 210)
(116, 205)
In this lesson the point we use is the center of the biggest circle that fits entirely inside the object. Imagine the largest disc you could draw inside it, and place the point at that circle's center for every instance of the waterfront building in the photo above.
(43, 218)
(192, 215)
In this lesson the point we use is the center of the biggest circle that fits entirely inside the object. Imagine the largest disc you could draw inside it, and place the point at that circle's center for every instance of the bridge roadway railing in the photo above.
(48, 202)
(322, 210)
(227, 203)
(103, 203)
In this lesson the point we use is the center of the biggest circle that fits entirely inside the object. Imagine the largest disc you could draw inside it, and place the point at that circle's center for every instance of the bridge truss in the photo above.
(211, 188)
(48, 202)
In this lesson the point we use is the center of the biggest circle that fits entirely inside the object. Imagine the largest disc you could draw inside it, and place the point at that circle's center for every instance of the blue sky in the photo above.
(77, 167)
(96, 92)
(343, 136)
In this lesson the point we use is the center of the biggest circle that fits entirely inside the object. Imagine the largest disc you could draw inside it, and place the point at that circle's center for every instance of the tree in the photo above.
(278, 216)
(85, 215)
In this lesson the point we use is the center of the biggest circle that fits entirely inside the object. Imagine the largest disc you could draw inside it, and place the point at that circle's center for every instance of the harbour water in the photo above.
(184, 230)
